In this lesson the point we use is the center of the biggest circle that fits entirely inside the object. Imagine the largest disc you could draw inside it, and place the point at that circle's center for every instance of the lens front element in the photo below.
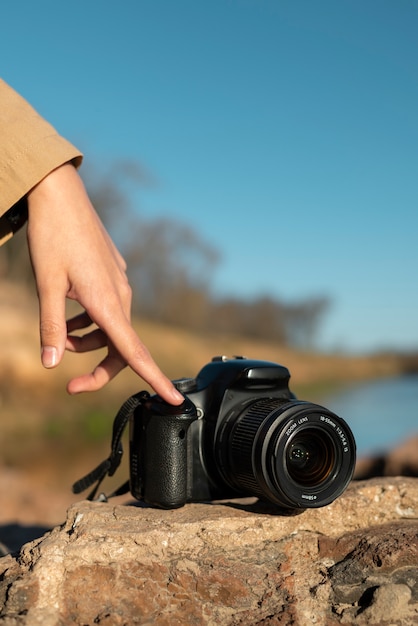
(310, 457)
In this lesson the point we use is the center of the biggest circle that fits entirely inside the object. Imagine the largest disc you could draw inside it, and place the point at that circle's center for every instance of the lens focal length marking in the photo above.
(338, 430)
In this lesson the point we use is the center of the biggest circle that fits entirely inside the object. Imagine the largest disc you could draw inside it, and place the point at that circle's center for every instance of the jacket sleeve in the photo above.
(30, 148)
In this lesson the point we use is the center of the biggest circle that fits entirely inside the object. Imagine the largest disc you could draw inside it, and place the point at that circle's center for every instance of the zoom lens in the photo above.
(295, 454)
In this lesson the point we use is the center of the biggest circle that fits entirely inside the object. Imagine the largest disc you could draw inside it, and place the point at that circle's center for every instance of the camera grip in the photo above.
(159, 452)
(166, 466)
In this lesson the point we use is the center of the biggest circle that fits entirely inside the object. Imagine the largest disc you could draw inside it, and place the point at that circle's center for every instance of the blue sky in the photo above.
(284, 132)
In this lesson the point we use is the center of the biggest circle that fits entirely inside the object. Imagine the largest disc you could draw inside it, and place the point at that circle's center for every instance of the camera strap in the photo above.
(109, 466)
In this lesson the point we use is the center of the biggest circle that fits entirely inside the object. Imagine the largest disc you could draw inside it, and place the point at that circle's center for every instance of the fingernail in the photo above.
(177, 396)
(49, 356)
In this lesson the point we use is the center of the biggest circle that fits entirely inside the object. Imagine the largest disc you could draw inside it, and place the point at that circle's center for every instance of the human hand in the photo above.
(73, 257)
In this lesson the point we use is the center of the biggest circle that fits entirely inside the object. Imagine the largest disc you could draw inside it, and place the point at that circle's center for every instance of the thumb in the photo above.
(53, 329)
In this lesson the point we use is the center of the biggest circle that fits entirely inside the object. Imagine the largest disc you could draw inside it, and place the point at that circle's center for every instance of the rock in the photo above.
(374, 577)
(239, 563)
(401, 460)
(389, 601)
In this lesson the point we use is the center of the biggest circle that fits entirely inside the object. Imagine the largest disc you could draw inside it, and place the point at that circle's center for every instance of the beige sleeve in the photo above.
(30, 148)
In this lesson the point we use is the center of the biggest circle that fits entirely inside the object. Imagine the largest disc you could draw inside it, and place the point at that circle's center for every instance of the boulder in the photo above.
(237, 563)
(400, 460)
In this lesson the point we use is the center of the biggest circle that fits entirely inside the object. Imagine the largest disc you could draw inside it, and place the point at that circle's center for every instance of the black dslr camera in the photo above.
(240, 432)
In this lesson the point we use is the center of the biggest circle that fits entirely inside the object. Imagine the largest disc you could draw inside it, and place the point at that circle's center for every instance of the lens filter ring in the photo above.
(292, 453)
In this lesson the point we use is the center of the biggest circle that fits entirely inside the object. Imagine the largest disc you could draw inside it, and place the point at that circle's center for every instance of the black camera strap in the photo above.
(109, 466)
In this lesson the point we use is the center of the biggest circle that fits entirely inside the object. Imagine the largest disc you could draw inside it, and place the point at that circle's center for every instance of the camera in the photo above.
(240, 432)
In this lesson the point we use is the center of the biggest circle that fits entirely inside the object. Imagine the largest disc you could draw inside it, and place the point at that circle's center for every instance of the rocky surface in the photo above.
(352, 562)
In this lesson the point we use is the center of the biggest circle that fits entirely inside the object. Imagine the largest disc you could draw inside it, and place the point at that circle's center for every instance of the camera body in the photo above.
(240, 432)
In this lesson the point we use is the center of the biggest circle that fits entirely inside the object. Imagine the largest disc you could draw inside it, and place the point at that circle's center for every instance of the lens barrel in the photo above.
(295, 454)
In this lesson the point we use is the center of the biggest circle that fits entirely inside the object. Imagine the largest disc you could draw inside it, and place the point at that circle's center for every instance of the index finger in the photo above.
(133, 352)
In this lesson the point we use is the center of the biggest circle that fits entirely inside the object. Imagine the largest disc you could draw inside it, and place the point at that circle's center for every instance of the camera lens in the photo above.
(295, 454)
(310, 457)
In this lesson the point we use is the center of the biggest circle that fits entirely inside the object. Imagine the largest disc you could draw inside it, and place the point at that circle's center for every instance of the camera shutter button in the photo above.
(185, 385)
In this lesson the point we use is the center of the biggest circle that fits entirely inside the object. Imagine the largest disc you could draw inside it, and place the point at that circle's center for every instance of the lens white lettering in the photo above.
(291, 428)
(338, 430)
(327, 420)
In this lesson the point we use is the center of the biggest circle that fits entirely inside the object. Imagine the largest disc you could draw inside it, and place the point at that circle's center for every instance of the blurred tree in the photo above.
(268, 318)
(303, 320)
(170, 270)
(169, 265)
(259, 318)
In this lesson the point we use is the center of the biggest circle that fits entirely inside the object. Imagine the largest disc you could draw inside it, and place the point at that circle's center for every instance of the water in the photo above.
(381, 413)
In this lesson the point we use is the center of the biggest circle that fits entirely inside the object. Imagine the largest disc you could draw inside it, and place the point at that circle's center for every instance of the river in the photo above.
(381, 413)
